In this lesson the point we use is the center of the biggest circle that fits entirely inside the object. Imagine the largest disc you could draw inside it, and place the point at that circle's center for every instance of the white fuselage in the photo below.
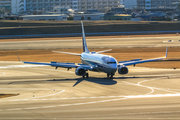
(100, 62)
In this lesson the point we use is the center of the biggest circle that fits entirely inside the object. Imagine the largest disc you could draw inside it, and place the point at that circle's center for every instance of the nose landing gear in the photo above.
(86, 75)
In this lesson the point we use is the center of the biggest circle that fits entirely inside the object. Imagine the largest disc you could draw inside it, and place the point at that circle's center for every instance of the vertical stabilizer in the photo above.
(85, 49)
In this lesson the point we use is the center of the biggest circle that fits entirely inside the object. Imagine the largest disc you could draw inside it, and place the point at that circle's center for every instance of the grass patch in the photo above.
(57, 27)
(121, 54)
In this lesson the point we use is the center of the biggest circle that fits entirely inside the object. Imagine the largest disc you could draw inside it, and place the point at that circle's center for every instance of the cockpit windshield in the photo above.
(109, 60)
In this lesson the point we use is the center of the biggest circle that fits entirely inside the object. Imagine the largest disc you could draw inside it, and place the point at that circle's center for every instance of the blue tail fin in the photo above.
(85, 49)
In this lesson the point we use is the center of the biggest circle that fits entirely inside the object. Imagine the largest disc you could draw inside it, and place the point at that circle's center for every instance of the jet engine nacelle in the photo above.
(80, 71)
(122, 70)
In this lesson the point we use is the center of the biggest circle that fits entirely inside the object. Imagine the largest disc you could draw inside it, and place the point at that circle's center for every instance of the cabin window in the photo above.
(109, 60)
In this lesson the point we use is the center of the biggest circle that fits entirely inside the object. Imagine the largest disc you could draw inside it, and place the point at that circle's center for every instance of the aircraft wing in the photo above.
(138, 61)
(63, 65)
(67, 53)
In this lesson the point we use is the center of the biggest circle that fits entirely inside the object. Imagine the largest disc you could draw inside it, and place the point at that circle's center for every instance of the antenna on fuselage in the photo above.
(85, 48)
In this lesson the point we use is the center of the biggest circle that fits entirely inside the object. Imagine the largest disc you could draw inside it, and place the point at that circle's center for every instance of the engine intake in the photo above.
(80, 71)
(122, 70)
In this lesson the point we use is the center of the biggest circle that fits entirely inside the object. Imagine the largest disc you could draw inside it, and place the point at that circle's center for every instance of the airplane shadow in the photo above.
(133, 77)
(102, 81)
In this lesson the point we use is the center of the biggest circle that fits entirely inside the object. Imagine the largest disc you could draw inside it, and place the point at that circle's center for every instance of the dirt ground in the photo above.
(121, 54)
(87, 37)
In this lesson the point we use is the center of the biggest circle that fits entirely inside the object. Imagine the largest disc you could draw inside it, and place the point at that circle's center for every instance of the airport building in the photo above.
(5, 5)
(97, 16)
(48, 5)
(45, 17)
(13, 6)
(18, 6)
(157, 4)
(101, 5)
(78, 5)
(130, 4)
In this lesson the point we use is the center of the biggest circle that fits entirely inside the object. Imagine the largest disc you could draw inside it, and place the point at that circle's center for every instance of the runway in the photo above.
(103, 42)
(46, 93)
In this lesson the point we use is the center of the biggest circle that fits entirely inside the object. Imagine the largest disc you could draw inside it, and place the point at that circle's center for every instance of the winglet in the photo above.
(166, 52)
(85, 48)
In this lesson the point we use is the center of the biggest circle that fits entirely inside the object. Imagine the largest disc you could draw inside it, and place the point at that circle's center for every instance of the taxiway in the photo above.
(46, 93)
(101, 42)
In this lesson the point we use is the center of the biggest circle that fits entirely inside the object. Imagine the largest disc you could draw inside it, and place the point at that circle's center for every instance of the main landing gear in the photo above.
(86, 75)
(111, 75)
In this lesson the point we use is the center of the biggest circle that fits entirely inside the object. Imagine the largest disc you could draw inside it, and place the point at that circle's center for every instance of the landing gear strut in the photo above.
(107, 75)
(86, 75)
(110, 76)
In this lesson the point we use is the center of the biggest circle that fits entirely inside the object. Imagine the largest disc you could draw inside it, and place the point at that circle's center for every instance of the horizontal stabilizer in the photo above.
(103, 51)
(68, 53)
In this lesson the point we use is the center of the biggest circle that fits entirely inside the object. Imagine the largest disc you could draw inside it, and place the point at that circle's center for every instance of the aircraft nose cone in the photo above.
(114, 66)
(113, 70)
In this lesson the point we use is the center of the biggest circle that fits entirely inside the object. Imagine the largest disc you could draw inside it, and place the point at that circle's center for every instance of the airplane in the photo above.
(95, 61)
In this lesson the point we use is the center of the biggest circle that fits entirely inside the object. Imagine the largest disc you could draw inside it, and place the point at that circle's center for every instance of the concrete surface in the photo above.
(46, 93)
(103, 42)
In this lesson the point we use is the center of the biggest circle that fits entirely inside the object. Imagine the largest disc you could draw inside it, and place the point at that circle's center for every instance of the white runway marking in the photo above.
(102, 101)
(29, 89)
(2, 73)
(41, 41)
(93, 102)
(158, 95)
(51, 94)
(56, 70)
(141, 86)
(20, 66)
(176, 94)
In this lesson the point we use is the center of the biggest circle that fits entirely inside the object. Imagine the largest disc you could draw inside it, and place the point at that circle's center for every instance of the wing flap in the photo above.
(140, 61)
(63, 65)
(55, 64)
(37, 63)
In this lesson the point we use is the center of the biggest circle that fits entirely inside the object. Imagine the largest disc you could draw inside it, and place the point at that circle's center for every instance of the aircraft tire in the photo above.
(87, 75)
(107, 75)
(111, 76)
